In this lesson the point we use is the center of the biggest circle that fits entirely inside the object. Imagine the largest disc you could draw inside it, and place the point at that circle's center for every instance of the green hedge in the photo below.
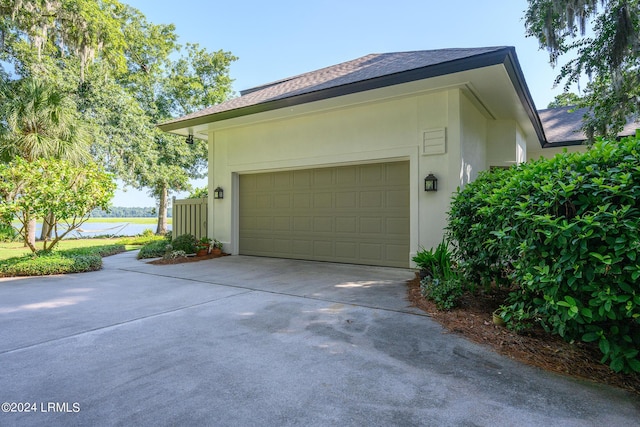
(140, 240)
(58, 262)
(154, 249)
(566, 233)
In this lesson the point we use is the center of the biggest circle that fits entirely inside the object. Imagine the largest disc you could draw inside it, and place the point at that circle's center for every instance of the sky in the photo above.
(275, 39)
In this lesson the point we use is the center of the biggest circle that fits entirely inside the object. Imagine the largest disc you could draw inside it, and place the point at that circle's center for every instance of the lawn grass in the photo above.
(69, 256)
(17, 249)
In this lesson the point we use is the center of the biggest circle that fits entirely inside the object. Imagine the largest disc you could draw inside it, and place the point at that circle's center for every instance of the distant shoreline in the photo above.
(110, 227)
(132, 220)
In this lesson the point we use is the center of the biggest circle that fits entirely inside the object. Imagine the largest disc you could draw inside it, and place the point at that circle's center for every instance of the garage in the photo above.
(356, 214)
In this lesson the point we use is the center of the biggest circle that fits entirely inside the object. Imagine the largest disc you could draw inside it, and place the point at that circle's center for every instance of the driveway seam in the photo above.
(354, 304)
(113, 325)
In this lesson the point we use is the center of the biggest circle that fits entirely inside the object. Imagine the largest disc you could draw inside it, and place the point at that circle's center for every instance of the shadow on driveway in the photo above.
(259, 341)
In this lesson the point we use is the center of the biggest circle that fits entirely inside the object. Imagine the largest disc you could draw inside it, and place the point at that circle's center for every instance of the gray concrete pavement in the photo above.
(244, 341)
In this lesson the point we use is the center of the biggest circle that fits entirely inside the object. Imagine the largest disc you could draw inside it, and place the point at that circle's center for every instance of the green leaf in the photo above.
(634, 364)
(617, 364)
(591, 336)
(586, 312)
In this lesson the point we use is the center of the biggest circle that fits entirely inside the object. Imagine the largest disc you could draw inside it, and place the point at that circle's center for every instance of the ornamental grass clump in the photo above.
(440, 281)
(564, 235)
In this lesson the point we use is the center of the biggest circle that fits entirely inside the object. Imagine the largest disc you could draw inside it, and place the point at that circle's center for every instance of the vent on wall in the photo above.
(434, 141)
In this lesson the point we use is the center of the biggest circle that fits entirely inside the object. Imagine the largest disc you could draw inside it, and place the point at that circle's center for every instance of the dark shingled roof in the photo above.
(348, 74)
(562, 126)
(555, 127)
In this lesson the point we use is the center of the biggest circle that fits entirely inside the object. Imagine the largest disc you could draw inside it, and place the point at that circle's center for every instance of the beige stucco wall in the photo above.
(503, 148)
(521, 146)
(473, 157)
(364, 132)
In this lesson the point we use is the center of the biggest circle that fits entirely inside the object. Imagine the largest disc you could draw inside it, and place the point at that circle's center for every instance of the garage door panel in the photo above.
(396, 174)
(370, 199)
(346, 199)
(302, 179)
(264, 184)
(303, 247)
(346, 177)
(355, 214)
(323, 177)
(323, 200)
(282, 223)
(282, 201)
(371, 225)
(257, 244)
(302, 200)
(346, 250)
(396, 252)
(372, 174)
(346, 224)
(302, 224)
(282, 245)
(323, 224)
(249, 223)
(249, 183)
(282, 180)
(264, 223)
(397, 227)
(323, 249)
(397, 199)
(371, 252)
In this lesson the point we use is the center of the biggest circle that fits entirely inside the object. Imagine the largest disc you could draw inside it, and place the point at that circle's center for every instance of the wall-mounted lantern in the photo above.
(431, 183)
(218, 193)
(189, 139)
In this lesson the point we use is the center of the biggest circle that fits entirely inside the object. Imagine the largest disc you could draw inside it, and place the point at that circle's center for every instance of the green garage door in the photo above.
(351, 214)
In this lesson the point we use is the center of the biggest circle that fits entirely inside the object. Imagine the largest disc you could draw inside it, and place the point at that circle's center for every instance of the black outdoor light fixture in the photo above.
(218, 193)
(430, 183)
(189, 139)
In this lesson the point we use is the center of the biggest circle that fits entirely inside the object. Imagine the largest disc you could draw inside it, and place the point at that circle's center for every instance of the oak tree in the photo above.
(602, 37)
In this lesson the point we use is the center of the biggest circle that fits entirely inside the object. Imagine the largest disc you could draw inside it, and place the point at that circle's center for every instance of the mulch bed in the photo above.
(473, 320)
(182, 260)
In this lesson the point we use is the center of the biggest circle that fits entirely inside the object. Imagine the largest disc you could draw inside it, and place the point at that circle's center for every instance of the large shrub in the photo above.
(51, 188)
(565, 232)
(185, 242)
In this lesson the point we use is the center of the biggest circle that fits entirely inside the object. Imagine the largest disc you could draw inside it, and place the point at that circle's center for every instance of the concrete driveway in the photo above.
(244, 341)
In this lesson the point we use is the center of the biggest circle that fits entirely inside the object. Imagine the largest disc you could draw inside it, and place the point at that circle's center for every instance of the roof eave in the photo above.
(557, 144)
(514, 71)
(505, 56)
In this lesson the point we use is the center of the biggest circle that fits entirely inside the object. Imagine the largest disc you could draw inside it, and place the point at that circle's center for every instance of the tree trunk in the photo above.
(47, 227)
(31, 234)
(163, 196)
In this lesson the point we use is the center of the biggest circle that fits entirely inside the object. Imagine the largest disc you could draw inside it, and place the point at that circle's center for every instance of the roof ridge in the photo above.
(363, 58)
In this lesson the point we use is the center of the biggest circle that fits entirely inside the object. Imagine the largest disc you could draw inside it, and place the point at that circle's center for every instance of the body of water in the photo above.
(94, 229)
